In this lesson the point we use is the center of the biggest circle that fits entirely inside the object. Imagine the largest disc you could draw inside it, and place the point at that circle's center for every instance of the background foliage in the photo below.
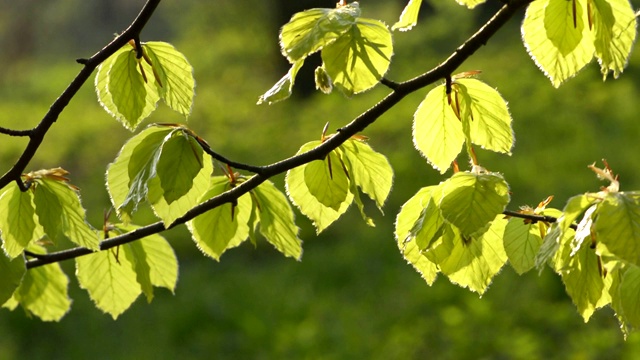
(352, 295)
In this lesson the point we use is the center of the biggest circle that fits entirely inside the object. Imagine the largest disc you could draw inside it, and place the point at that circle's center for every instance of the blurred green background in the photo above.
(352, 296)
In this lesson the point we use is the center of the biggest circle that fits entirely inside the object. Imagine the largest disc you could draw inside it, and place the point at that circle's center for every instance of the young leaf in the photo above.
(489, 120)
(437, 132)
(368, 169)
(173, 76)
(617, 226)
(284, 87)
(474, 262)
(585, 283)
(614, 30)
(224, 227)
(299, 194)
(407, 217)
(277, 220)
(110, 279)
(12, 273)
(71, 221)
(523, 239)
(309, 31)
(43, 291)
(629, 296)
(556, 34)
(128, 175)
(360, 57)
(180, 161)
(409, 16)
(18, 221)
(327, 181)
(470, 201)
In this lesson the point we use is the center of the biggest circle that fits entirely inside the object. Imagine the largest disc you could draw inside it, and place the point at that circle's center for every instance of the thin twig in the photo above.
(224, 160)
(12, 132)
(357, 125)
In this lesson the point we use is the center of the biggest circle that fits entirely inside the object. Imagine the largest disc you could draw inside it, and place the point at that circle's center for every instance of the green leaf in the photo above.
(12, 273)
(360, 57)
(474, 262)
(172, 69)
(18, 221)
(134, 98)
(614, 27)
(409, 16)
(407, 217)
(128, 175)
(323, 81)
(585, 283)
(558, 46)
(470, 201)
(309, 31)
(71, 219)
(154, 262)
(43, 291)
(110, 279)
(171, 212)
(430, 225)
(181, 160)
(284, 87)
(437, 132)
(470, 3)
(523, 239)
(224, 227)
(629, 296)
(489, 120)
(617, 227)
(299, 194)
(277, 220)
(327, 181)
(368, 169)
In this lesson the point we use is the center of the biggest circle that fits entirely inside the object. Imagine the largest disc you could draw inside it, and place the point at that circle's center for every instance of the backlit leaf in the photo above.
(407, 217)
(618, 227)
(470, 201)
(360, 57)
(368, 169)
(327, 181)
(299, 194)
(614, 30)
(277, 220)
(177, 85)
(181, 160)
(18, 222)
(110, 279)
(12, 273)
(470, 3)
(284, 87)
(309, 31)
(629, 293)
(224, 227)
(558, 46)
(409, 17)
(474, 262)
(437, 132)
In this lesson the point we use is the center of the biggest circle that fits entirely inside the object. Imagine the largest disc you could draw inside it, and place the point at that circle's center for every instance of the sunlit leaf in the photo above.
(470, 201)
(309, 31)
(172, 69)
(18, 221)
(283, 88)
(618, 227)
(43, 291)
(407, 217)
(181, 160)
(224, 227)
(277, 220)
(368, 169)
(558, 46)
(360, 57)
(470, 3)
(299, 194)
(110, 279)
(474, 262)
(327, 181)
(409, 17)
(614, 28)
(437, 132)
(52, 194)
(12, 273)
(629, 296)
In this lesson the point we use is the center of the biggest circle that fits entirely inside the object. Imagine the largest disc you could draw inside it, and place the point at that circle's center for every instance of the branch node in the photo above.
(82, 61)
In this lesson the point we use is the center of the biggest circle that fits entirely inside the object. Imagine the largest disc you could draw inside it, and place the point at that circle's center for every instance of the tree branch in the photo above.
(38, 133)
(357, 125)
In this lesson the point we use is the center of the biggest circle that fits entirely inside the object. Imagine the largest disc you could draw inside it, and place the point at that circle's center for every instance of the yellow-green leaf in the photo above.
(409, 17)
